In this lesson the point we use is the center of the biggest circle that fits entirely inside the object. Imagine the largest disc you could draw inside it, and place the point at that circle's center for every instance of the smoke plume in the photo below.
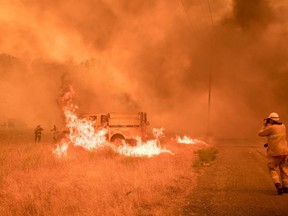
(153, 56)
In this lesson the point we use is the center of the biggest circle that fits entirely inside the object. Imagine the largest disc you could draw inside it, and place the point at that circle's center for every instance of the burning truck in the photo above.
(126, 134)
(113, 130)
(121, 126)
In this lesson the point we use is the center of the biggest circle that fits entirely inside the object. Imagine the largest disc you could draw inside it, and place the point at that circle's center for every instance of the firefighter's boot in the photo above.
(279, 188)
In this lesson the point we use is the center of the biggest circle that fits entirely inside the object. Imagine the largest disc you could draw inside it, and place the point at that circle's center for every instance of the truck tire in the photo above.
(117, 139)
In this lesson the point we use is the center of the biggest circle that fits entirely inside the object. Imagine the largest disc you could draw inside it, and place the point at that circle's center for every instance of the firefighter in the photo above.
(38, 132)
(277, 151)
(55, 133)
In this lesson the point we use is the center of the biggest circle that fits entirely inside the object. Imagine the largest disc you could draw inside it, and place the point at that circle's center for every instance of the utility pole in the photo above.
(210, 72)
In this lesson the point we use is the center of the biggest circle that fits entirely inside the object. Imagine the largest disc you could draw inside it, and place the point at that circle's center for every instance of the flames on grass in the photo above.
(188, 140)
(81, 132)
(149, 148)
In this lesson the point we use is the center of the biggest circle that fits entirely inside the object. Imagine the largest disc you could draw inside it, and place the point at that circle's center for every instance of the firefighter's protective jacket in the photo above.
(276, 134)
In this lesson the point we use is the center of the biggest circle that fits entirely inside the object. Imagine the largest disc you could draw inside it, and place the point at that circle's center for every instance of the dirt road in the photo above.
(237, 183)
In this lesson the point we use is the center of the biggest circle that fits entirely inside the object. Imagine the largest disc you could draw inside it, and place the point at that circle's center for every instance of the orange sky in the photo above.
(153, 56)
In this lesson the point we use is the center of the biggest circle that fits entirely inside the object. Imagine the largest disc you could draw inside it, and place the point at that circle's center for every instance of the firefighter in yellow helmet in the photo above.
(277, 151)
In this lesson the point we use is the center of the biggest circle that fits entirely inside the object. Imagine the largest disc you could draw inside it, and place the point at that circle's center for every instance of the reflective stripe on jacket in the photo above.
(276, 134)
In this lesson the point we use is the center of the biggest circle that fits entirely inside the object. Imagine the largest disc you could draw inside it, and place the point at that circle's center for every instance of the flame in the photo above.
(61, 150)
(82, 133)
(158, 132)
(187, 140)
(149, 148)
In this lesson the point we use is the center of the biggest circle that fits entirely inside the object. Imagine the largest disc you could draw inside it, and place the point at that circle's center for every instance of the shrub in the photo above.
(205, 157)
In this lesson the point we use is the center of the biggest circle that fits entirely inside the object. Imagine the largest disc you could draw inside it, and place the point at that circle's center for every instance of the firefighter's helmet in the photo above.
(274, 116)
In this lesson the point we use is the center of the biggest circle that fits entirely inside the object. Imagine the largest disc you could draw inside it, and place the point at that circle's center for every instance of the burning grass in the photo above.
(35, 182)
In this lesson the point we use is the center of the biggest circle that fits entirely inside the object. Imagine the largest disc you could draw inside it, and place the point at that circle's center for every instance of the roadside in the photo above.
(237, 183)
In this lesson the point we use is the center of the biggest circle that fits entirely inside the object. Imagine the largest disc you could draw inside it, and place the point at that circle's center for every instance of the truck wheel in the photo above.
(117, 139)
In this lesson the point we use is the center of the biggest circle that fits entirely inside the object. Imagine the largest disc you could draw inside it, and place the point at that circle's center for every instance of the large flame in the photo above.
(81, 132)
(149, 148)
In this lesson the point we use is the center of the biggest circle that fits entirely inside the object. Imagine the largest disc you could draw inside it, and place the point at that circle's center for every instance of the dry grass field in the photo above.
(35, 182)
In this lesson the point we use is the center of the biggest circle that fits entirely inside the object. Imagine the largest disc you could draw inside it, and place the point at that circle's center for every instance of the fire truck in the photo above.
(121, 126)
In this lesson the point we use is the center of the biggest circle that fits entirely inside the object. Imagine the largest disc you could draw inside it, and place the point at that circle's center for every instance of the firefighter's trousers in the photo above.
(281, 162)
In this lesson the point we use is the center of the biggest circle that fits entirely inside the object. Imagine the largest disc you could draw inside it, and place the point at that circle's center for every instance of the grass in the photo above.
(34, 182)
(205, 157)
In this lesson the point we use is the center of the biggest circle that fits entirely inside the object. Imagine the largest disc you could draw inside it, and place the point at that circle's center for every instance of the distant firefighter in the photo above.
(55, 133)
(277, 151)
(38, 133)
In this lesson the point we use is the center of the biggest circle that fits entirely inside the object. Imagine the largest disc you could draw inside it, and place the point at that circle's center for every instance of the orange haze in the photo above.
(153, 56)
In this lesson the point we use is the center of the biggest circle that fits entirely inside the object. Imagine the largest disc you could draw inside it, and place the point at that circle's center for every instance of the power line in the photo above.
(186, 13)
(210, 12)
(211, 49)
(185, 10)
